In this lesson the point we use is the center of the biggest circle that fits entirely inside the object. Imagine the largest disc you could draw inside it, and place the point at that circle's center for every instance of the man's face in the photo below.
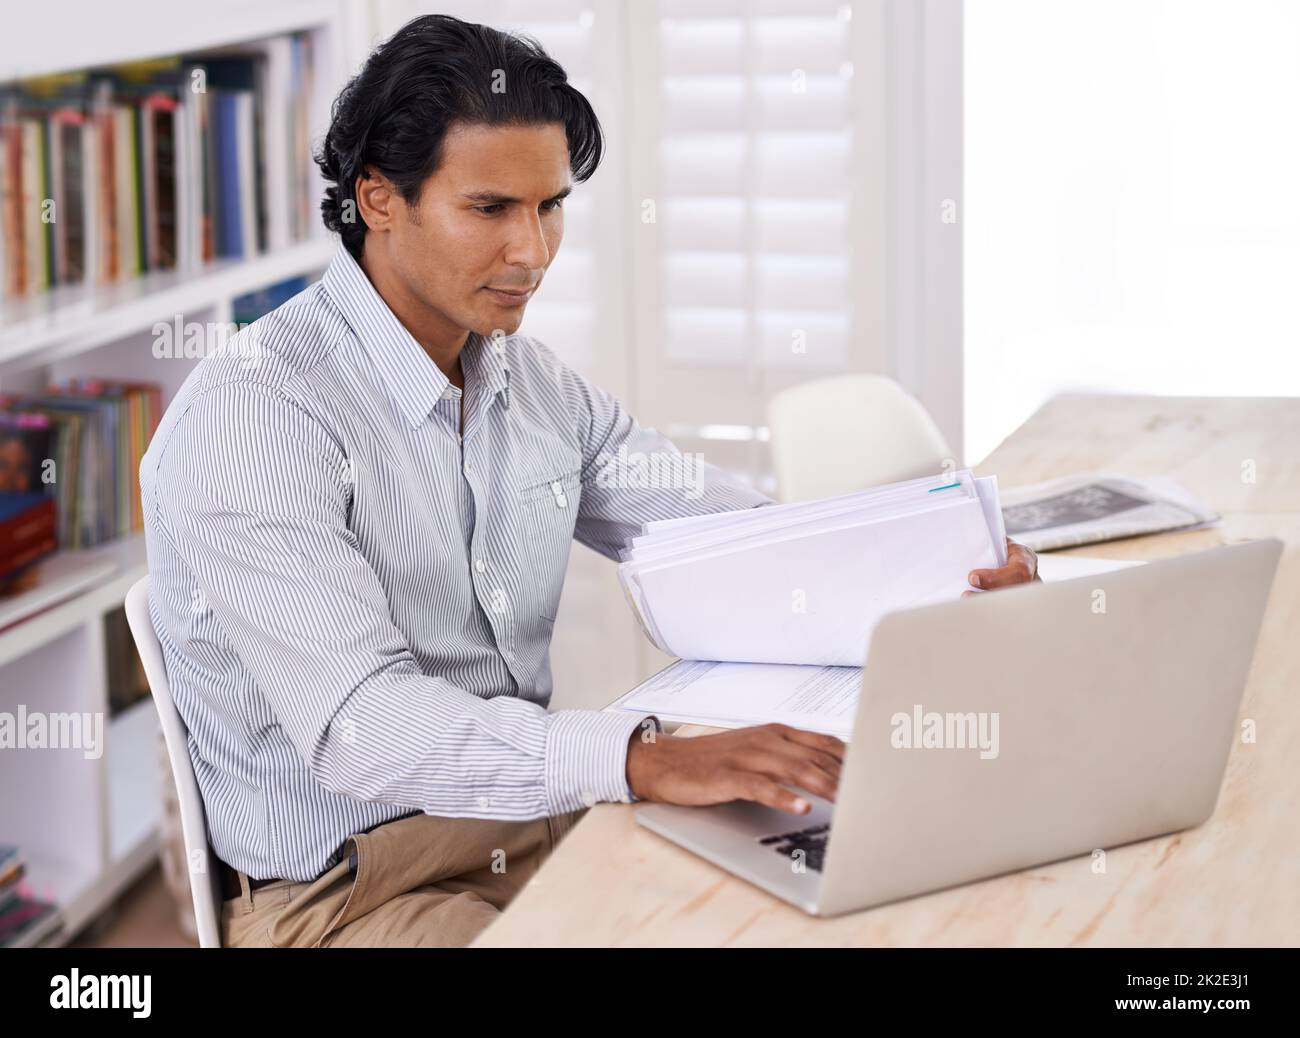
(486, 226)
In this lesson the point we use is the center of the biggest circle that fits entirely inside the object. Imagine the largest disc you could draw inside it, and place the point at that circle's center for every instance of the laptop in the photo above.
(1014, 728)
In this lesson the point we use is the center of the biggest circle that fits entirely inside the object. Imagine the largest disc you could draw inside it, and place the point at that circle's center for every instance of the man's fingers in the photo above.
(1021, 568)
(765, 791)
(813, 740)
(828, 762)
(817, 776)
(1027, 556)
(814, 779)
(1003, 576)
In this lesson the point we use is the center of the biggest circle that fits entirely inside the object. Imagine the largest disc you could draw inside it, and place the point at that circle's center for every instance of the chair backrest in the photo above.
(199, 858)
(837, 435)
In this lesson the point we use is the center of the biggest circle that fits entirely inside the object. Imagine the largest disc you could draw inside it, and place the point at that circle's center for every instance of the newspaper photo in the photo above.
(1087, 509)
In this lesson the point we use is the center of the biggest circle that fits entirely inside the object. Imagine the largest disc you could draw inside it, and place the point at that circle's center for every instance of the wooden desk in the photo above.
(1233, 881)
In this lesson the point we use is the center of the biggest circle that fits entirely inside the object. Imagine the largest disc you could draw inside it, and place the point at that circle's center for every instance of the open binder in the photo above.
(771, 608)
(806, 582)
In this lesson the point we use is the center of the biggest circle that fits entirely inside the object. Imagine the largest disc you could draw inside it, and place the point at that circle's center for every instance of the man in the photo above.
(359, 520)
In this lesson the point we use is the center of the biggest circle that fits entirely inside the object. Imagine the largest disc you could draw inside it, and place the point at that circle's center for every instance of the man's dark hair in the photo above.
(435, 71)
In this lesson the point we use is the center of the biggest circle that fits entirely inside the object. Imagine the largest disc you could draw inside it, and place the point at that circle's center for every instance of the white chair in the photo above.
(837, 435)
(199, 857)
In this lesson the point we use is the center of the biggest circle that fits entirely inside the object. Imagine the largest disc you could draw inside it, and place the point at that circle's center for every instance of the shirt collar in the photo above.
(413, 381)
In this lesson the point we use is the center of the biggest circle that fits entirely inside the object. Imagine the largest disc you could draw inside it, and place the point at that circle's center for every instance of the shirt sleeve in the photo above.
(632, 475)
(252, 493)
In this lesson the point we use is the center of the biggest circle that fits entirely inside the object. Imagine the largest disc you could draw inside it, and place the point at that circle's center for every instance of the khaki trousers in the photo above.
(420, 882)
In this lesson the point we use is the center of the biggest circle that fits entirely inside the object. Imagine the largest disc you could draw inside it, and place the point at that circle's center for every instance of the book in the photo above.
(28, 531)
(34, 190)
(230, 223)
(71, 152)
(11, 201)
(159, 114)
(24, 447)
(26, 921)
(96, 433)
(11, 865)
(102, 215)
(248, 308)
(128, 260)
(155, 166)
(246, 171)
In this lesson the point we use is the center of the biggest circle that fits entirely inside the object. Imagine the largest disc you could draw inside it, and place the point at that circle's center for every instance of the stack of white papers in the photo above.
(739, 695)
(815, 699)
(805, 583)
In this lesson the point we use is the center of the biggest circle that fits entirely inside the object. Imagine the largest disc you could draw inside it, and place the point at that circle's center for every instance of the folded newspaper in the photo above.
(1086, 509)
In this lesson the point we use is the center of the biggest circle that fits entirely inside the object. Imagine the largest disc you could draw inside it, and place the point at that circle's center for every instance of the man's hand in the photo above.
(1021, 568)
(746, 764)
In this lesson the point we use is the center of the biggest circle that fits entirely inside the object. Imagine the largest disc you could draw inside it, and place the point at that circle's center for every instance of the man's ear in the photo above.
(376, 199)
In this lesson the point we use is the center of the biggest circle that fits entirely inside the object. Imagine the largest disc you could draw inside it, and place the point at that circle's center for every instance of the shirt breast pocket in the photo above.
(548, 510)
(559, 491)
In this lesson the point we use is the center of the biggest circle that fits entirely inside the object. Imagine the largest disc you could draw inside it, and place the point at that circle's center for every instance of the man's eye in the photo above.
(554, 203)
(490, 210)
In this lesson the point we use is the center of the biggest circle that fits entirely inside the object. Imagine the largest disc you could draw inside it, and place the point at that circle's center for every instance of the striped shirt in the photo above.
(355, 601)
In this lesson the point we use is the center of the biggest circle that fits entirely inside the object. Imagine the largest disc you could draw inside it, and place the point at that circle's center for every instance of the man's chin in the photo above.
(504, 322)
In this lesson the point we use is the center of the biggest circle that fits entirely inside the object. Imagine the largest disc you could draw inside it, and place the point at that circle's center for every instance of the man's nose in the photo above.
(528, 246)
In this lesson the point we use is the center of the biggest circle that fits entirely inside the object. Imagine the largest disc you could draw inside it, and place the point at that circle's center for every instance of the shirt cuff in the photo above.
(586, 758)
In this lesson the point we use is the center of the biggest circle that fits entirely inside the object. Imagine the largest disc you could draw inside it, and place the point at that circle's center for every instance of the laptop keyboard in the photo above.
(811, 841)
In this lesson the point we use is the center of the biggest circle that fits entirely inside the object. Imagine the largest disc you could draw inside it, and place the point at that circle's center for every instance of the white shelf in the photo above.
(37, 42)
(61, 576)
(115, 566)
(76, 318)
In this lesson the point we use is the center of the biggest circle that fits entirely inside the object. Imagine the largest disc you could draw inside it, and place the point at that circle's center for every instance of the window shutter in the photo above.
(744, 277)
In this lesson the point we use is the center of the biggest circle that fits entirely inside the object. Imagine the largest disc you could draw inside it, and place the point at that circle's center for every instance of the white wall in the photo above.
(1131, 175)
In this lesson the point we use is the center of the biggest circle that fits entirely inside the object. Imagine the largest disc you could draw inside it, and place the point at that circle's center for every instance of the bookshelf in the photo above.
(88, 826)
(75, 319)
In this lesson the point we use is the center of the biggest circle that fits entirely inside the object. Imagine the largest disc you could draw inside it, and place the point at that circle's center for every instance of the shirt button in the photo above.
(556, 488)
(468, 468)
(480, 565)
